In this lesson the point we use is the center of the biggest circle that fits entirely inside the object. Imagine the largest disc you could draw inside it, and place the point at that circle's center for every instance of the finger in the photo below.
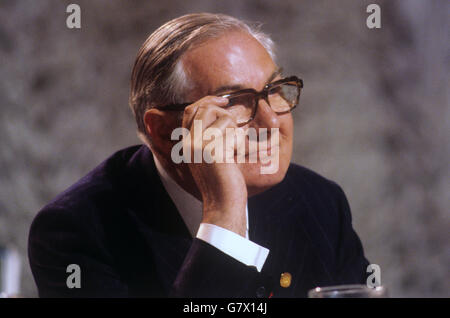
(223, 123)
(227, 136)
(211, 117)
(205, 102)
(216, 100)
(210, 114)
(188, 115)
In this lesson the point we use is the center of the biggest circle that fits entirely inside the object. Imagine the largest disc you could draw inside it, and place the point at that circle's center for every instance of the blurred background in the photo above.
(374, 114)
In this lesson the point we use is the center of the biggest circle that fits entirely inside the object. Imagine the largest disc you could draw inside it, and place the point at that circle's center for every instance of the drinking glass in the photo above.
(348, 291)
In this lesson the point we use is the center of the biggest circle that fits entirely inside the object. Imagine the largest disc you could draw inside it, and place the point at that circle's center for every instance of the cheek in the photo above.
(287, 125)
(286, 136)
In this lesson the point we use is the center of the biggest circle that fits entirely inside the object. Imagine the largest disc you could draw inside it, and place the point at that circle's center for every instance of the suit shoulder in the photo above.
(300, 174)
(82, 200)
(320, 192)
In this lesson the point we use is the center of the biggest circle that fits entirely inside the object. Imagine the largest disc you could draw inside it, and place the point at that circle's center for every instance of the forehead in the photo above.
(236, 59)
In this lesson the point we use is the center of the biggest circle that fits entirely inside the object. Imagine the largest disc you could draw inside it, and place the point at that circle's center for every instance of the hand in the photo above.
(221, 185)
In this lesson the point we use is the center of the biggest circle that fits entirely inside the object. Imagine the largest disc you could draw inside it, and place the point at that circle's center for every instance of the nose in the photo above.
(265, 117)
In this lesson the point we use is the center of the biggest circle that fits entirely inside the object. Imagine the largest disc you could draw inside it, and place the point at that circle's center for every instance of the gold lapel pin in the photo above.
(285, 280)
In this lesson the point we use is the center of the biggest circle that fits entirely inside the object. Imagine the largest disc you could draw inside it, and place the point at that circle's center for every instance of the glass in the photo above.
(348, 291)
(282, 96)
(10, 270)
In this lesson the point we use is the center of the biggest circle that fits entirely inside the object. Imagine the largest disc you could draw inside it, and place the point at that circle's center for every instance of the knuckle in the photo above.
(230, 120)
(190, 109)
(214, 100)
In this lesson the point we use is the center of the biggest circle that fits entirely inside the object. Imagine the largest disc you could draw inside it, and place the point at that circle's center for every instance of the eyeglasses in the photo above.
(282, 96)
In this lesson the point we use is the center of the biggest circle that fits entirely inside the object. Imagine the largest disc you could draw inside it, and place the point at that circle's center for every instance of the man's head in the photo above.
(198, 55)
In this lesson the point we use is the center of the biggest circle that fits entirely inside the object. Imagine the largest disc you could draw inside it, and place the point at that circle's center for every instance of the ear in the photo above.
(159, 126)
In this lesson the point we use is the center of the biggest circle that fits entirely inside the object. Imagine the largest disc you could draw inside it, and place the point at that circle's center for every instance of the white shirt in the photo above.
(190, 208)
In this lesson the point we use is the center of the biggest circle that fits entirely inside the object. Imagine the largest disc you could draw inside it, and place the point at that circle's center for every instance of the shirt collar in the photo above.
(190, 207)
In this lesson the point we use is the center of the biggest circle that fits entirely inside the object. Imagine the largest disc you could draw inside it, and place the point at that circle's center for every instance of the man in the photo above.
(145, 224)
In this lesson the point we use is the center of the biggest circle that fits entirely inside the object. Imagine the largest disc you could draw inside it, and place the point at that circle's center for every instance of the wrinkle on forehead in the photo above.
(240, 69)
(233, 59)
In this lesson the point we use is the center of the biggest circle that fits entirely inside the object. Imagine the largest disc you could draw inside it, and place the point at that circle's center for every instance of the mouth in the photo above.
(265, 149)
(260, 146)
(270, 149)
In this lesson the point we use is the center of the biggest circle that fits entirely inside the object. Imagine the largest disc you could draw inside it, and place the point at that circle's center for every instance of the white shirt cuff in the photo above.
(234, 245)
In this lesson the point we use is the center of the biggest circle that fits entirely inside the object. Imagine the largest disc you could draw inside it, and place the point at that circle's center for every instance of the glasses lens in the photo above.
(283, 97)
(241, 107)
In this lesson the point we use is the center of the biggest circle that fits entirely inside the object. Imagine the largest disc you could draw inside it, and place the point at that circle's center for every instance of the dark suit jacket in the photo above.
(120, 226)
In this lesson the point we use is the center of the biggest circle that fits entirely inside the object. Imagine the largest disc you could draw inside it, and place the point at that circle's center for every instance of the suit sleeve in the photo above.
(208, 272)
(233, 244)
(57, 240)
(351, 261)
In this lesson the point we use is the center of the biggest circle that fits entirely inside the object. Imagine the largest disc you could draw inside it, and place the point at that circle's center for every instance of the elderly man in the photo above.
(240, 222)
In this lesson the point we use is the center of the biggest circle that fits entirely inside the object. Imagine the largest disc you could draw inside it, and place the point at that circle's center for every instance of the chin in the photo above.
(258, 182)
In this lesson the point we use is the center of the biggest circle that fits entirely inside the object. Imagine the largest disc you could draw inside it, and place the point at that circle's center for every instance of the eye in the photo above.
(275, 90)
(241, 107)
(283, 97)
(245, 100)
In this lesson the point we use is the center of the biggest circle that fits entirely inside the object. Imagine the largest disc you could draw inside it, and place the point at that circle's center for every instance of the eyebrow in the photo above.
(229, 88)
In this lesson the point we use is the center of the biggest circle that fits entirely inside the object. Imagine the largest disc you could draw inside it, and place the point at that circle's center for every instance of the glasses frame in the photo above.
(263, 94)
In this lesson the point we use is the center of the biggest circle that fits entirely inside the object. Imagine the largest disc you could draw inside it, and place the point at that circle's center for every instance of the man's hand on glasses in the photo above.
(222, 185)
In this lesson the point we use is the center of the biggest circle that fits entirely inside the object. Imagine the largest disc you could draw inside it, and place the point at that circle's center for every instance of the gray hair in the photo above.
(158, 76)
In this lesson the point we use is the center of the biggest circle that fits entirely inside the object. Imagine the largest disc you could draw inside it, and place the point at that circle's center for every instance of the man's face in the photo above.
(237, 61)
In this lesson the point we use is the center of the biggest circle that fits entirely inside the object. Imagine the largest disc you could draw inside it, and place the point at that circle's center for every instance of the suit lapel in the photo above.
(274, 224)
(157, 219)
